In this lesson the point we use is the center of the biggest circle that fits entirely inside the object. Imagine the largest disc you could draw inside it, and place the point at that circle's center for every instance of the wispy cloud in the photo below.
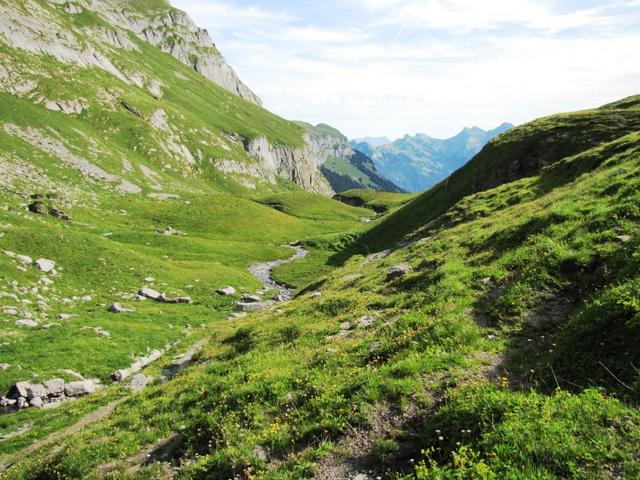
(389, 67)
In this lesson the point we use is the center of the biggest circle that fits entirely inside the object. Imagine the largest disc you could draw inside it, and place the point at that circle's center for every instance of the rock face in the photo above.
(299, 165)
(175, 33)
(335, 157)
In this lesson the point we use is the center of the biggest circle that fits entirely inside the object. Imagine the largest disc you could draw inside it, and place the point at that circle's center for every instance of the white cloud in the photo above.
(457, 62)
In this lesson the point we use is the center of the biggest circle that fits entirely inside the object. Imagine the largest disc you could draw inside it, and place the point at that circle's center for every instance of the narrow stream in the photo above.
(264, 271)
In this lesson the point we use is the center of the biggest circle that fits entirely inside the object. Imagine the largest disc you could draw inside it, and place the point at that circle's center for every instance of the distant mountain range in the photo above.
(416, 163)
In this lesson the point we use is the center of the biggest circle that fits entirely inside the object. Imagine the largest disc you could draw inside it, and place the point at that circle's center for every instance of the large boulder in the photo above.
(226, 291)
(149, 293)
(45, 265)
(55, 387)
(36, 390)
(79, 388)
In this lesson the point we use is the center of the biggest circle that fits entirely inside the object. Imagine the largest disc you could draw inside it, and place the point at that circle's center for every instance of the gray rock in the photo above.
(54, 387)
(226, 291)
(22, 403)
(117, 308)
(139, 382)
(398, 271)
(20, 389)
(174, 300)
(36, 390)
(7, 402)
(79, 388)
(345, 326)
(65, 316)
(24, 259)
(26, 324)
(45, 265)
(252, 307)
(315, 294)
(366, 321)
(149, 293)
(251, 299)
(36, 402)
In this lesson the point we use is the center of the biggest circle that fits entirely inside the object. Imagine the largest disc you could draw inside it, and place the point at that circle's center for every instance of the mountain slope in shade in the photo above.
(418, 162)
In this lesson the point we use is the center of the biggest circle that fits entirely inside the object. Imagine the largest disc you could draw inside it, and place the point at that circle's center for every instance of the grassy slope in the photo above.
(521, 289)
(203, 114)
(519, 153)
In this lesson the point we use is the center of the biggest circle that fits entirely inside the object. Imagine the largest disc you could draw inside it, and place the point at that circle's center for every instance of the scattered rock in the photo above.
(35, 390)
(252, 307)
(149, 293)
(26, 324)
(45, 265)
(117, 308)
(170, 231)
(315, 294)
(4, 366)
(22, 403)
(366, 321)
(149, 279)
(136, 366)
(164, 299)
(226, 291)
(36, 402)
(398, 271)
(7, 402)
(236, 315)
(24, 259)
(345, 326)
(139, 382)
(54, 387)
(79, 388)
(38, 208)
(251, 299)
(54, 212)
(65, 316)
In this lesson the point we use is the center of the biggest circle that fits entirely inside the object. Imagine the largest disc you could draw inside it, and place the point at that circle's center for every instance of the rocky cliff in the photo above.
(344, 167)
(175, 33)
(89, 84)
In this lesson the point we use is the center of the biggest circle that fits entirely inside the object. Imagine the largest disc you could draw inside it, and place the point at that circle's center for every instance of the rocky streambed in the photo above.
(264, 273)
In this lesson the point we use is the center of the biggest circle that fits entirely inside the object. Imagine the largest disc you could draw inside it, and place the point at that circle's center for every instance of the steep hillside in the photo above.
(498, 340)
(84, 88)
(522, 152)
(344, 167)
(417, 163)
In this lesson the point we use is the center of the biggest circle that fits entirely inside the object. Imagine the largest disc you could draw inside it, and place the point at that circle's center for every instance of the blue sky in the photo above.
(392, 67)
